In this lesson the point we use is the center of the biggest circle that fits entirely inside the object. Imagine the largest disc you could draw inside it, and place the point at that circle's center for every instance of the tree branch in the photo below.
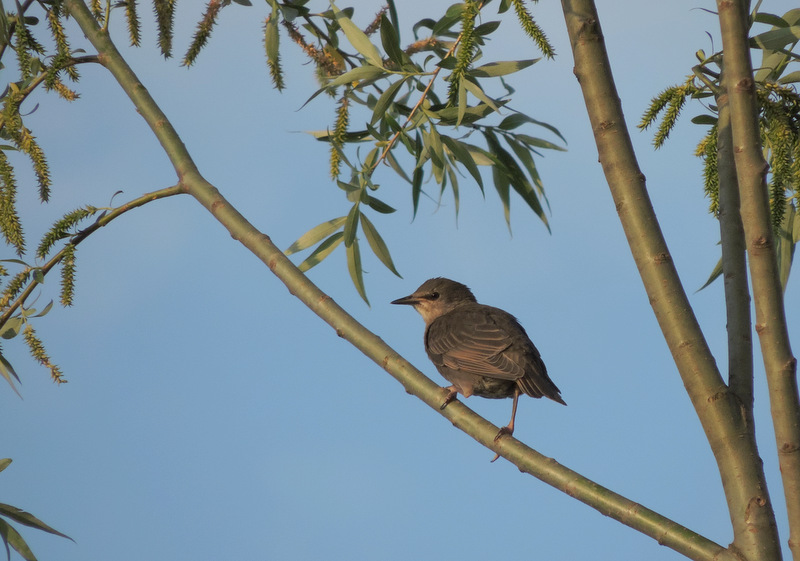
(731, 440)
(780, 365)
(734, 266)
(81, 236)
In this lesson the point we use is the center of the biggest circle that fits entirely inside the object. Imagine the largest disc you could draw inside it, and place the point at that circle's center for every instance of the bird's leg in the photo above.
(509, 428)
(450, 396)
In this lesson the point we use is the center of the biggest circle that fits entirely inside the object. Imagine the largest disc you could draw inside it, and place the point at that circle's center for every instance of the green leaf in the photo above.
(391, 42)
(351, 225)
(359, 74)
(450, 115)
(378, 205)
(502, 68)
(517, 119)
(523, 154)
(416, 188)
(462, 103)
(481, 156)
(715, 274)
(501, 184)
(704, 120)
(770, 19)
(4, 463)
(11, 537)
(516, 177)
(11, 328)
(476, 90)
(7, 371)
(350, 136)
(461, 153)
(397, 167)
(776, 39)
(45, 310)
(486, 28)
(358, 38)
(323, 250)
(28, 519)
(354, 267)
(786, 242)
(539, 142)
(377, 244)
(790, 78)
(386, 99)
(315, 234)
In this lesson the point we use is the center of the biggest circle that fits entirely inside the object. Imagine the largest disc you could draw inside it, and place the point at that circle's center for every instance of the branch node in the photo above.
(661, 258)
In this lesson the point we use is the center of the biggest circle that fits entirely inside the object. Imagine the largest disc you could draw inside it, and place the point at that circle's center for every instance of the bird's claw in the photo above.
(450, 397)
(504, 430)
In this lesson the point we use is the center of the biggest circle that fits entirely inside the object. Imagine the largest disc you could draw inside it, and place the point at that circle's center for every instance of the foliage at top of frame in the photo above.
(422, 102)
(779, 119)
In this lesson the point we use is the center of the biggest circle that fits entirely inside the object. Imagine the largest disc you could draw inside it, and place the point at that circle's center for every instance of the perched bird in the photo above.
(479, 349)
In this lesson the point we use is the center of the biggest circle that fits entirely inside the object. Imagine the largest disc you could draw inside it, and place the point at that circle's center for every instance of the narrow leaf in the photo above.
(358, 38)
(351, 225)
(358, 74)
(502, 68)
(476, 90)
(391, 41)
(354, 267)
(11, 537)
(386, 99)
(776, 39)
(461, 153)
(377, 244)
(715, 274)
(28, 519)
(315, 234)
(323, 250)
(416, 189)
(539, 142)
(379, 206)
(7, 371)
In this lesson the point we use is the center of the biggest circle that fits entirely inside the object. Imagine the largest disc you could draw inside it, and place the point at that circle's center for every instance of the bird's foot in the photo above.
(450, 397)
(504, 430)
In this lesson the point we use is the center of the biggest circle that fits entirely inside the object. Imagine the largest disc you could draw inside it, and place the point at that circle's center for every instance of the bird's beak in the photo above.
(408, 300)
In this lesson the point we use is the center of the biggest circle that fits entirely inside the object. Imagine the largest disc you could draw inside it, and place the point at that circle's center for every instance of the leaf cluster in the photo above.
(11, 537)
(779, 119)
(392, 90)
(388, 96)
(35, 64)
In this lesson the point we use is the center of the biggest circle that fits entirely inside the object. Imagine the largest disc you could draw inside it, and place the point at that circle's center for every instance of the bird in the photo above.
(479, 349)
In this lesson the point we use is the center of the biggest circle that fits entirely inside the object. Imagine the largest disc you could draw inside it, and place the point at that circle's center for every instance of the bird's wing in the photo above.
(476, 340)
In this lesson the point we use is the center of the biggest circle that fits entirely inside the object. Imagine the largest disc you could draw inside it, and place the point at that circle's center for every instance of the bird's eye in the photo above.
(434, 296)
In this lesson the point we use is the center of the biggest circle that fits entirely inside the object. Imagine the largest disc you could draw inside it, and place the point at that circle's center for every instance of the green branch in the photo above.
(780, 365)
(79, 237)
(731, 439)
(734, 265)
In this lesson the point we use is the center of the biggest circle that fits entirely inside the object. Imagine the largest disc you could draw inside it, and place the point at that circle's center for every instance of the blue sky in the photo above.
(210, 415)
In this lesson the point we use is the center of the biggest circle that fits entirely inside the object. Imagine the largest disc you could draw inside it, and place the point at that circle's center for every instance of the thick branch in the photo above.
(609, 503)
(731, 440)
(780, 365)
(734, 265)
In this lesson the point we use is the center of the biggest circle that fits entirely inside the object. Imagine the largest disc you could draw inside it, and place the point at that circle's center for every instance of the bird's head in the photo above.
(437, 297)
